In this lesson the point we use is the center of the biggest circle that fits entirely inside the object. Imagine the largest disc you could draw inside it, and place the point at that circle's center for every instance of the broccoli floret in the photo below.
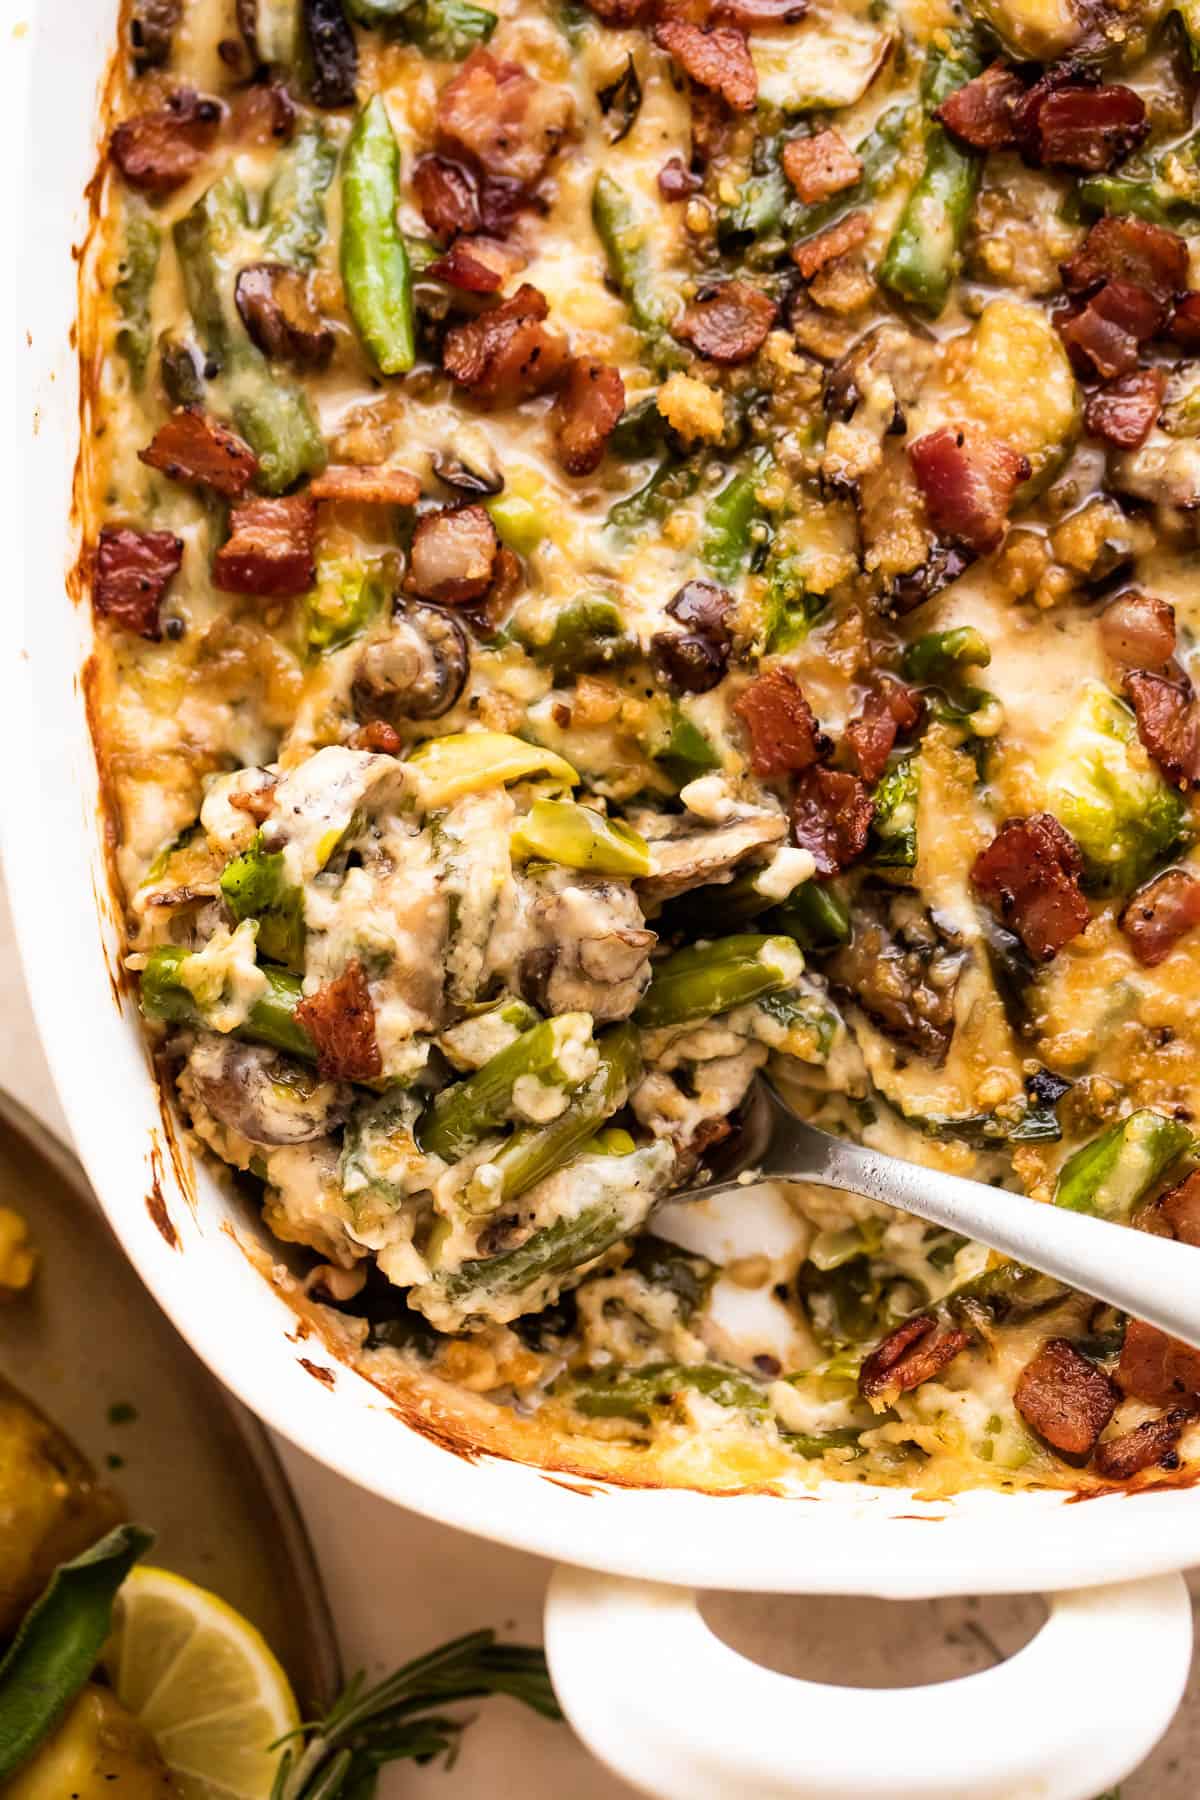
(1099, 783)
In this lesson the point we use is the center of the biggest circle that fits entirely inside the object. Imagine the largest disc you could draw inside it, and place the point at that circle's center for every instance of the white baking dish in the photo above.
(644, 1682)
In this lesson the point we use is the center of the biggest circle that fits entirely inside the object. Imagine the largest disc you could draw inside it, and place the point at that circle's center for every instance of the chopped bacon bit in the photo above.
(983, 112)
(500, 200)
(1185, 326)
(1180, 1207)
(1123, 412)
(888, 710)
(1138, 630)
(133, 569)
(158, 151)
(621, 14)
(1132, 250)
(588, 410)
(1103, 338)
(340, 1020)
(264, 114)
(968, 480)
(259, 803)
(1157, 1368)
(366, 486)
(501, 118)
(820, 165)
(831, 817)
(759, 15)
(1160, 914)
(1168, 723)
(447, 195)
(712, 127)
(508, 354)
(1085, 128)
(718, 59)
(1121, 1458)
(914, 1352)
(191, 446)
(728, 323)
(784, 734)
(1065, 1398)
(453, 556)
(378, 736)
(1029, 874)
(269, 551)
(676, 181)
(275, 305)
(812, 255)
(460, 267)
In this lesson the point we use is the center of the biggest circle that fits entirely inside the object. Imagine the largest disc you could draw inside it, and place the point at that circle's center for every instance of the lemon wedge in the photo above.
(203, 1683)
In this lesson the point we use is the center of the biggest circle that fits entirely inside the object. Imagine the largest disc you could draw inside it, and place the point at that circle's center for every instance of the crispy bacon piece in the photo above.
(1180, 1207)
(1065, 1398)
(507, 354)
(133, 569)
(193, 447)
(586, 416)
(447, 195)
(1138, 630)
(968, 480)
(914, 1352)
(340, 1020)
(718, 59)
(1168, 723)
(1185, 326)
(1158, 1368)
(820, 165)
(621, 14)
(269, 551)
(462, 267)
(502, 119)
(831, 815)
(728, 323)
(1154, 1442)
(1029, 875)
(676, 181)
(1085, 128)
(784, 734)
(264, 114)
(276, 307)
(1124, 411)
(377, 735)
(1098, 344)
(888, 710)
(377, 486)
(983, 112)
(1160, 914)
(453, 556)
(836, 240)
(1132, 250)
(158, 151)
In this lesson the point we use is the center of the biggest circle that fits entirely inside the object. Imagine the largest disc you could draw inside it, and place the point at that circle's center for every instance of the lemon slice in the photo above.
(203, 1683)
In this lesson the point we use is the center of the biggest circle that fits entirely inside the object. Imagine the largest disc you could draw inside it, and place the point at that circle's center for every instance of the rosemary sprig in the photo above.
(339, 1757)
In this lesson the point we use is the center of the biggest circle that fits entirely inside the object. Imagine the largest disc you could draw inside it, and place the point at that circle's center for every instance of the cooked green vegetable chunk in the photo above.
(255, 887)
(295, 206)
(1115, 1171)
(135, 288)
(552, 1058)
(374, 261)
(579, 837)
(893, 843)
(941, 654)
(626, 246)
(641, 1394)
(272, 1020)
(922, 256)
(706, 979)
(730, 518)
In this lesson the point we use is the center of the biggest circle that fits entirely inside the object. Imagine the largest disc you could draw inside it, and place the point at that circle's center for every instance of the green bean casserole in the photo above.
(634, 543)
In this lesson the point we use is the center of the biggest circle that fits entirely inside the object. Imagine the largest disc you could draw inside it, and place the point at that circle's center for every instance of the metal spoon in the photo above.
(1153, 1278)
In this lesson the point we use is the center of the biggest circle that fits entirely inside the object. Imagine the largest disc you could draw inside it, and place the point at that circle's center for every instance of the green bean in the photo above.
(789, 607)
(449, 29)
(922, 256)
(722, 907)
(893, 840)
(535, 1151)
(674, 481)
(1163, 187)
(551, 1252)
(1115, 1171)
(730, 518)
(944, 653)
(626, 248)
(813, 1444)
(657, 1388)
(557, 1053)
(640, 431)
(878, 155)
(685, 753)
(255, 887)
(59, 1642)
(295, 205)
(706, 979)
(815, 916)
(271, 1020)
(135, 288)
(273, 415)
(375, 269)
(763, 199)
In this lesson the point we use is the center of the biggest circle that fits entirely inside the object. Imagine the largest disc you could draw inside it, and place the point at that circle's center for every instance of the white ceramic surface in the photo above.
(849, 1540)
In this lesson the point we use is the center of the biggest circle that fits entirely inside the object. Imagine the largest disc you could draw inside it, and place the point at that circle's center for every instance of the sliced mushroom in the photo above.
(462, 476)
(593, 953)
(277, 310)
(902, 967)
(417, 671)
(687, 855)
(263, 1095)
